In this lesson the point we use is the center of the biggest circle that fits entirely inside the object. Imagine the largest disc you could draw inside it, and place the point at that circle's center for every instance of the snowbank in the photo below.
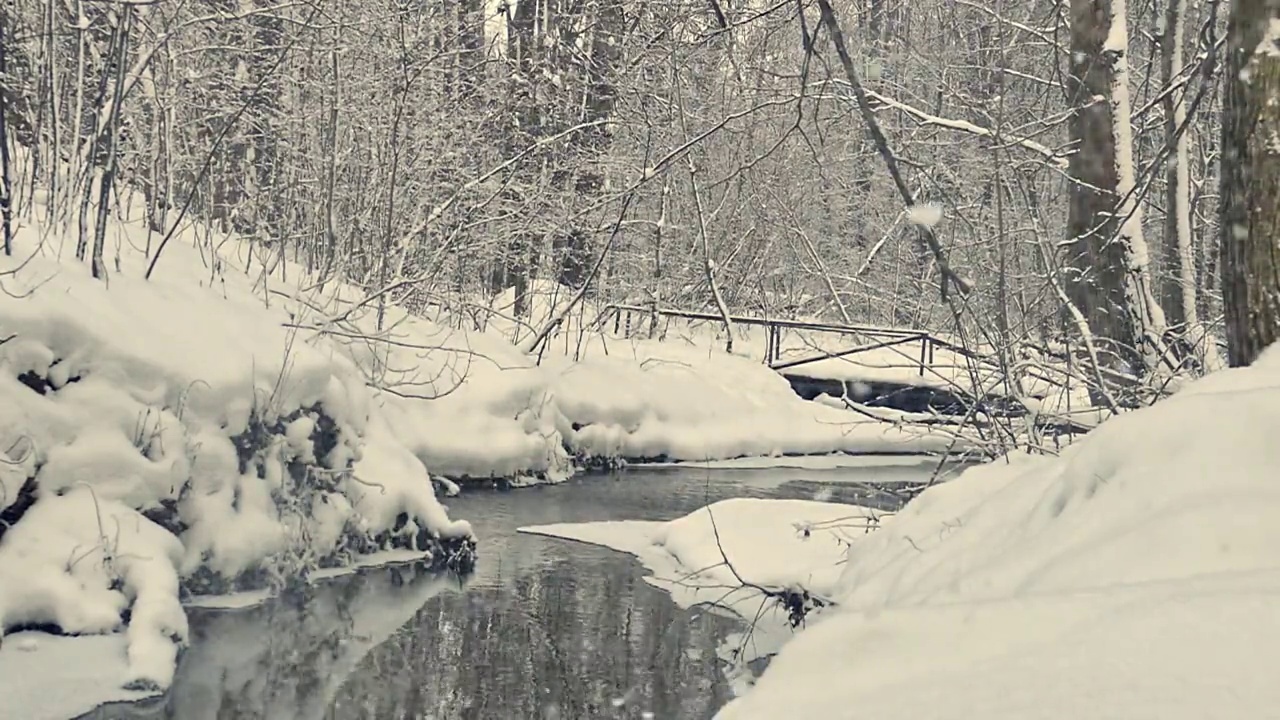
(175, 433)
(1135, 576)
(619, 400)
(59, 567)
(600, 400)
(667, 401)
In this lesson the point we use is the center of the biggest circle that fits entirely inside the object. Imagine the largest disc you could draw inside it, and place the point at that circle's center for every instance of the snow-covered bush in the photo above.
(166, 436)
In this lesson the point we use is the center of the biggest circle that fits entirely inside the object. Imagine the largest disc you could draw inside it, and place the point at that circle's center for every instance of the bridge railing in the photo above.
(627, 319)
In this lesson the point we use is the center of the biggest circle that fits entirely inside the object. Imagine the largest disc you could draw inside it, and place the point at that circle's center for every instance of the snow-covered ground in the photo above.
(1135, 576)
(598, 398)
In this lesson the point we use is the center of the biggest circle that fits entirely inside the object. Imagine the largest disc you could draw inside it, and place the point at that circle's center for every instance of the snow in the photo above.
(1133, 576)
(1043, 385)
(215, 426)
(722, 554)
(674, 402)
(925, 214)
(62, 677)
(166, 448)
(597, 397)
(887, 355)
(56, 568)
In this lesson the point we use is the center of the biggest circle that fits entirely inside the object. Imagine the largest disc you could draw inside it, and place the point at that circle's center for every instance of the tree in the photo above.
(1109, 280)
(1250, 209)
(6, 184)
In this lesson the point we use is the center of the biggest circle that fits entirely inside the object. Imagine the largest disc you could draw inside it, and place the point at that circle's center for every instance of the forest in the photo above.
(769, 159)
(289, 288)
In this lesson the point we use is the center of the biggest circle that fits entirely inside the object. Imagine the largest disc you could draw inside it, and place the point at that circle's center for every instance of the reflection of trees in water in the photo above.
(563, 643)
(286, 659)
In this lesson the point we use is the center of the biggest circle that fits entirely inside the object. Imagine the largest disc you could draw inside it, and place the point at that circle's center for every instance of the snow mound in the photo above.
(1134, 576)
(176, 435)
(775, 544)
(78, 563)
(666, 401)
(622, 400)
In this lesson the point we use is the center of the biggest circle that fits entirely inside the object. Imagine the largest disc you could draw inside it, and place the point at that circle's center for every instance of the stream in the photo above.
(545, 628)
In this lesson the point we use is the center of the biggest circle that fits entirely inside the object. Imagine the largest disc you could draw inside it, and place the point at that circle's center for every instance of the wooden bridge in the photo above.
(628, 318)
(963, 379)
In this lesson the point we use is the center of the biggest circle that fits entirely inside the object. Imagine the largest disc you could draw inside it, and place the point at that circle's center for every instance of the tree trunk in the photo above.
(1250, 221)
(96, 264)
(1178, 296)
(1108, 279)
(6, 182)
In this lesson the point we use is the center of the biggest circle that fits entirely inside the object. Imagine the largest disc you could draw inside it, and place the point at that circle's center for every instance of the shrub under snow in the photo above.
(174, 432)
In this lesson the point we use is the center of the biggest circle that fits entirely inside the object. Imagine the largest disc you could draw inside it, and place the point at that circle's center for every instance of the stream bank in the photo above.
(544, 628)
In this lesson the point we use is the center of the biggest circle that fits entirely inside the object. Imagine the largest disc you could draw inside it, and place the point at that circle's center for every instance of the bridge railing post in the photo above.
(924, 352)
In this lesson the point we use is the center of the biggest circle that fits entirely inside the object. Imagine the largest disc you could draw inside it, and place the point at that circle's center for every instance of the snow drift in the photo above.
(177, 433)
(1134, 576)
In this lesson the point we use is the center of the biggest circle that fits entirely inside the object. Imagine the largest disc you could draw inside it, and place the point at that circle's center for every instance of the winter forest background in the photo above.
(749, 158)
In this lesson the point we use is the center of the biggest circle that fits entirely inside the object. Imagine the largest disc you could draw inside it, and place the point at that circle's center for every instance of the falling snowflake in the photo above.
(925, 214)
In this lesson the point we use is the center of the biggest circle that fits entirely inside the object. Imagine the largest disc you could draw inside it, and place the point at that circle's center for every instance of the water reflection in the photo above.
(287, 659)
(580, 639)
(546, 628)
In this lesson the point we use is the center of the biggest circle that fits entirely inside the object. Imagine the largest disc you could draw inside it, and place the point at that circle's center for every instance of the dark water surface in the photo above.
(545, 628)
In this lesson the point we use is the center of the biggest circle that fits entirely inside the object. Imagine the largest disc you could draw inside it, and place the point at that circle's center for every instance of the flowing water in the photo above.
(545, 628)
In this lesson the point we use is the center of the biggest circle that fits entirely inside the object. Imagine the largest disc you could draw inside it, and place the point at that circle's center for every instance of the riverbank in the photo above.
(542, 628)
(1134, 576)
(216, 429)
(172, 437)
